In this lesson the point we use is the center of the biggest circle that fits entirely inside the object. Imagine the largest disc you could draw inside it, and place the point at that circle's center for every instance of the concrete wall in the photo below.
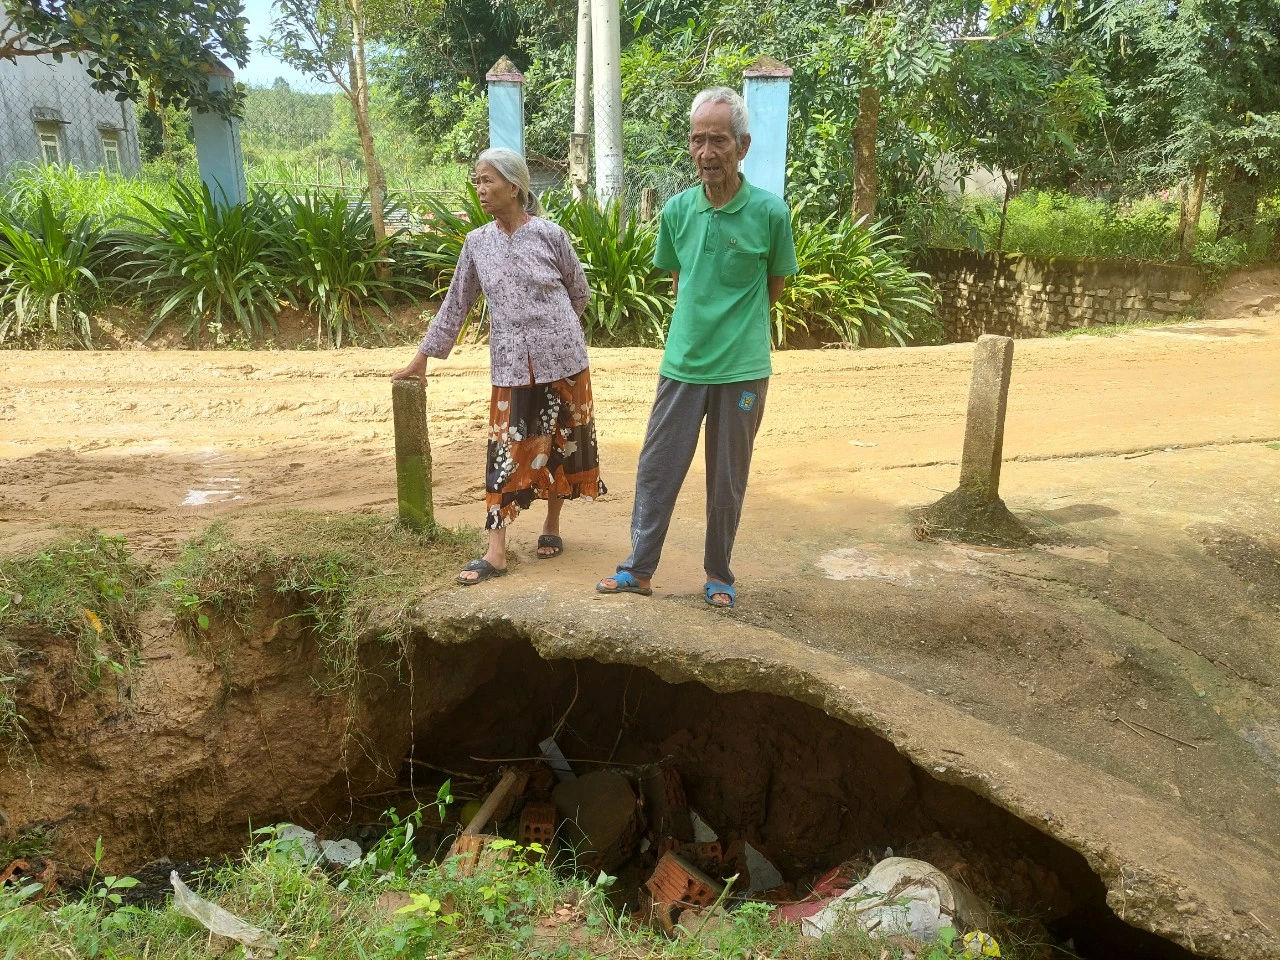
(36, 93)
(1019, 296)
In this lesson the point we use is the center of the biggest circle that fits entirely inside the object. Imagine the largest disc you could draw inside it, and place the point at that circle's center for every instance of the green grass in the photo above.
(86, 590)
(1116, 329)
(390, 905)
(1048, 223)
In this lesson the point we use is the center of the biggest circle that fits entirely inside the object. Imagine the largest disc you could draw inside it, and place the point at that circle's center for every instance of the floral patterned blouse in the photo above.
(536, 292)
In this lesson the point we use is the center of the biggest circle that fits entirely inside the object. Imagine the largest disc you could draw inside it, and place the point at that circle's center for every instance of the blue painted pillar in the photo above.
(506, 106)
(218, 145)
(767, 92)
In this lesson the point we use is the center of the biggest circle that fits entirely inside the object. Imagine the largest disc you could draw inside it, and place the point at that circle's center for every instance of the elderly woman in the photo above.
(542, 435)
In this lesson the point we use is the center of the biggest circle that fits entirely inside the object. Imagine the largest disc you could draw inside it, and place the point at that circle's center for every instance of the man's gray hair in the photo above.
(512, 168)
(737, 108)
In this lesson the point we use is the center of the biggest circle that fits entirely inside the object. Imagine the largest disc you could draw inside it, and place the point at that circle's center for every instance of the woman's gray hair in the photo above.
(737, 108)
(512, 168)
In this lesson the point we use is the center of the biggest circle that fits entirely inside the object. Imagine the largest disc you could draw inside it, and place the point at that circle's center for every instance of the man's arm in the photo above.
(675, 282)
(775, 288)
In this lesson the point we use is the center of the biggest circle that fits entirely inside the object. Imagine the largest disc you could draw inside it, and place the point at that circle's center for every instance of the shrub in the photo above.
(48, 273)
(631, 302)
(210, 260)
(330, 260)
(854, 285)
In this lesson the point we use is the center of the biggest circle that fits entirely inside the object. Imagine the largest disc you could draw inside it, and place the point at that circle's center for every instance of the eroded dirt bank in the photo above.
(179, 763)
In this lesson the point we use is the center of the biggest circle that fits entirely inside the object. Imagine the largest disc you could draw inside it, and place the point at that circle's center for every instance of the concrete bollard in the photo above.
(984, 425)
(974, 512)
(413, 455)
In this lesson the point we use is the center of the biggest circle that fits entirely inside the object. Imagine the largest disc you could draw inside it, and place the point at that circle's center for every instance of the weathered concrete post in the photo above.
(217, 140)
(506, 106)
(766, 88)
(413, 455)
(984, 425)
(974, 510)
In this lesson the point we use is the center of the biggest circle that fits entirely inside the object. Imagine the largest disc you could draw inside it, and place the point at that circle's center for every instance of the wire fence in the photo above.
(52, 115)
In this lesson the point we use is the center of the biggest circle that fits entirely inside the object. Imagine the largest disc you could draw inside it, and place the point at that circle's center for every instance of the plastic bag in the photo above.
(216, 920)
(901, 896)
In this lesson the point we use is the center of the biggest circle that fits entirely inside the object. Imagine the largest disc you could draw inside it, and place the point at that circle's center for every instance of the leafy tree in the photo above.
(327, 39)
(449, 46)
(1198, 99)
(1017, 103)
(162, 48)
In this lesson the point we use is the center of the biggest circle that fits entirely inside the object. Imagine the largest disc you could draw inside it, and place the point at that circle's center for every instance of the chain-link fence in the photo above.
(300, 135)
(52, 115)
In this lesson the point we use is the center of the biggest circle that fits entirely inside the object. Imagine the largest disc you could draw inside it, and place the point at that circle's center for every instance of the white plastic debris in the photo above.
(901, 896)
(299, 842)
(216, 920)
(701, 832)
(341, 853)
(763, 874)
(556, 760)
(303, 846)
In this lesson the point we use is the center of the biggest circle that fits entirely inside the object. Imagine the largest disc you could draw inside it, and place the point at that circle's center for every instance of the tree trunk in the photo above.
(1004, 208)
(1239, 205)
(1191, 223)
(1184, 204)
(360, 106)
(865, 131)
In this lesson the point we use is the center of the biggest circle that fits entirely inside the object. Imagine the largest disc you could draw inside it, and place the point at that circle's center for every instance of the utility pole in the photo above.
(607, 76)
(579, 176)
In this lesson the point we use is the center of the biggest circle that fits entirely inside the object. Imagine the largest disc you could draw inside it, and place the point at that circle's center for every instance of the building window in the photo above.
(111, 154)
(50, 142)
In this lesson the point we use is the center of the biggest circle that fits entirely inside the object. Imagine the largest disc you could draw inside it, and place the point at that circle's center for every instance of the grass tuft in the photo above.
(85, 590)
(390, 905)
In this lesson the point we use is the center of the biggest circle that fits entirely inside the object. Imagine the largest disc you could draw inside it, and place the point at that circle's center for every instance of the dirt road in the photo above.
(1150, 463)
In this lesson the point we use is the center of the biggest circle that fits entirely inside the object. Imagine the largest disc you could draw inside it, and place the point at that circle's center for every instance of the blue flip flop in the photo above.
(624, 582)
(712, 588)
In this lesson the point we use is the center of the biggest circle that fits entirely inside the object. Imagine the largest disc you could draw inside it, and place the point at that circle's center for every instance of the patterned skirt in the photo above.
(542, 444)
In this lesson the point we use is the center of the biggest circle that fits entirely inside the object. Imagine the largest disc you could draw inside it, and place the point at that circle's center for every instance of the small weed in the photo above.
(1274, 445)
(33, 843)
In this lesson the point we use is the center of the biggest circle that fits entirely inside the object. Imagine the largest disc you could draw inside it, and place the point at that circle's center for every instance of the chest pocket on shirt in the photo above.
(738, 268)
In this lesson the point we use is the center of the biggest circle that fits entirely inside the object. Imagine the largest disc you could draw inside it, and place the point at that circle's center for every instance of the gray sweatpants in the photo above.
(733, 412)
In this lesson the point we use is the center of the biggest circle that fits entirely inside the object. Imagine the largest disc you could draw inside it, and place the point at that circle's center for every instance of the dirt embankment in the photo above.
(1146, 461)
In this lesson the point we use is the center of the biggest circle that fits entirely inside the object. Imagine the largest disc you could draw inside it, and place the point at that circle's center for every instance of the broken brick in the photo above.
(677, 882)
(473, 852)
(538, 824)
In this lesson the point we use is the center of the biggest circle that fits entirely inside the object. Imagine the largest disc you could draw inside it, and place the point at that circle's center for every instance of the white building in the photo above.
(49, 112)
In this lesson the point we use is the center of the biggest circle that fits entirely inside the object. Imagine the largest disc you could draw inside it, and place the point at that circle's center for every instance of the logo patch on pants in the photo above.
(747, 401)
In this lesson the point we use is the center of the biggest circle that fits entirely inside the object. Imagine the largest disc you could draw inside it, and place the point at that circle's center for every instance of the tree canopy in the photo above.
(158, 50)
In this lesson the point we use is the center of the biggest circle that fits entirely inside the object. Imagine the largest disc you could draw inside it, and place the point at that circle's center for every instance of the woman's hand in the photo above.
(417, 370)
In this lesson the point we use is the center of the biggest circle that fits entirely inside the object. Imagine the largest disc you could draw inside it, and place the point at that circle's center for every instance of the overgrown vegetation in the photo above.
(391, 905)
(188, 257)
(84, 591)
(327, 575)
(1052, 223)
(323, 574)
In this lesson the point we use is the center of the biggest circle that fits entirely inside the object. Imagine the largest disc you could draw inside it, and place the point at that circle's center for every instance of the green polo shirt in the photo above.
(720, 329)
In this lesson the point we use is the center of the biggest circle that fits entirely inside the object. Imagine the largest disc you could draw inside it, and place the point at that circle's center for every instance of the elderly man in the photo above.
(729, 248)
